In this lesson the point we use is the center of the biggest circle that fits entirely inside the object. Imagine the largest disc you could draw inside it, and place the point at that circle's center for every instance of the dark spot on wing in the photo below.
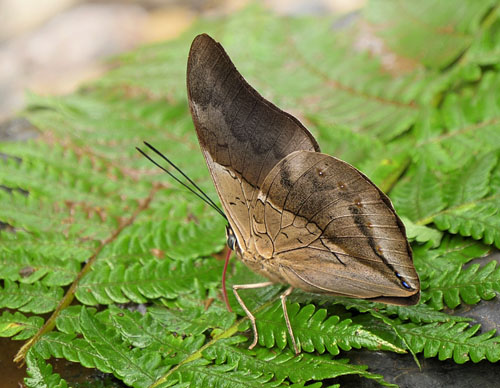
(365, 228)
(403, 282)
(285, 179)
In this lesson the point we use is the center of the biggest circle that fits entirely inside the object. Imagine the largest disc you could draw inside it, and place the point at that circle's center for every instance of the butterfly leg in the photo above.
(250, 316)
(287, 320)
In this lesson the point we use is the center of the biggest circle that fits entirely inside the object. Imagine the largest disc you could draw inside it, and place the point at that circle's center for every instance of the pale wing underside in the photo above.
(242, 135)
(329, 229)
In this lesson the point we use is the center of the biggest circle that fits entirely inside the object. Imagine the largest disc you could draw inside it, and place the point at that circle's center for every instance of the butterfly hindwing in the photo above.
(329, 229)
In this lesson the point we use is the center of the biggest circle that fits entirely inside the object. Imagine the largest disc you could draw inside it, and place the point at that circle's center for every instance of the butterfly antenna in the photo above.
(182, 173)
(204, 197)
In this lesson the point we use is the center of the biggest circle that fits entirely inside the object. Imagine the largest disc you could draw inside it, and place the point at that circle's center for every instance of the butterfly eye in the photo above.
(231, 238)
(231, 241)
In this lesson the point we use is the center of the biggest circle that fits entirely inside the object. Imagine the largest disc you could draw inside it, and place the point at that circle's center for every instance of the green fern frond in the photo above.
(18, 326)
(284, 365)
(179, 232)
(147, 332)
(465, 125)
(468, 205)
(443, 276)
(58, 173)
(419, 194)
(421, 313)
(206, 375)
(29, 298)
(40, 373)
(364, 99)
(421, 233)
(445, 339)
(453, 253)
(486, 48)
(102, 347)
(471, 183)
(53, 262)
(439, 27)
(68, 321)
(139, 282)
(468, 285)
(452, 340)
(315, 331)
(473, 208)
(191, 320)
(67, 346)
(54, 224)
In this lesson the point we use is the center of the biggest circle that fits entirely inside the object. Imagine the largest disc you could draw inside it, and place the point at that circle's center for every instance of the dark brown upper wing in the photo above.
(242, 135)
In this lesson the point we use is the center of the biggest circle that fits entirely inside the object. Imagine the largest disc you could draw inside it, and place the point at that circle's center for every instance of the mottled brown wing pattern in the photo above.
(242, 135)
(328, 229)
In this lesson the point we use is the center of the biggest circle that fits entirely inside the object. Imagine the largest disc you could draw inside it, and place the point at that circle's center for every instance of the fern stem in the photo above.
(70, 294)
(198, 354)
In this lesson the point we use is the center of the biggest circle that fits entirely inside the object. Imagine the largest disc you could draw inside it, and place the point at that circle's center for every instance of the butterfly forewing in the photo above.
(242, 135)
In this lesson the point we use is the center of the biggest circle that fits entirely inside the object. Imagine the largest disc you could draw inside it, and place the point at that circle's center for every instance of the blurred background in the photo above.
(52, 46)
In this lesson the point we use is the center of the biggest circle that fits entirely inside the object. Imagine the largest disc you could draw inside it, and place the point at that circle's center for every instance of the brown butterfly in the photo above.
(296, 216)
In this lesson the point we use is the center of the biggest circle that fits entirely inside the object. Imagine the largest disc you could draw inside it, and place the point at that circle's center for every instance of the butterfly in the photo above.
(295, 215)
